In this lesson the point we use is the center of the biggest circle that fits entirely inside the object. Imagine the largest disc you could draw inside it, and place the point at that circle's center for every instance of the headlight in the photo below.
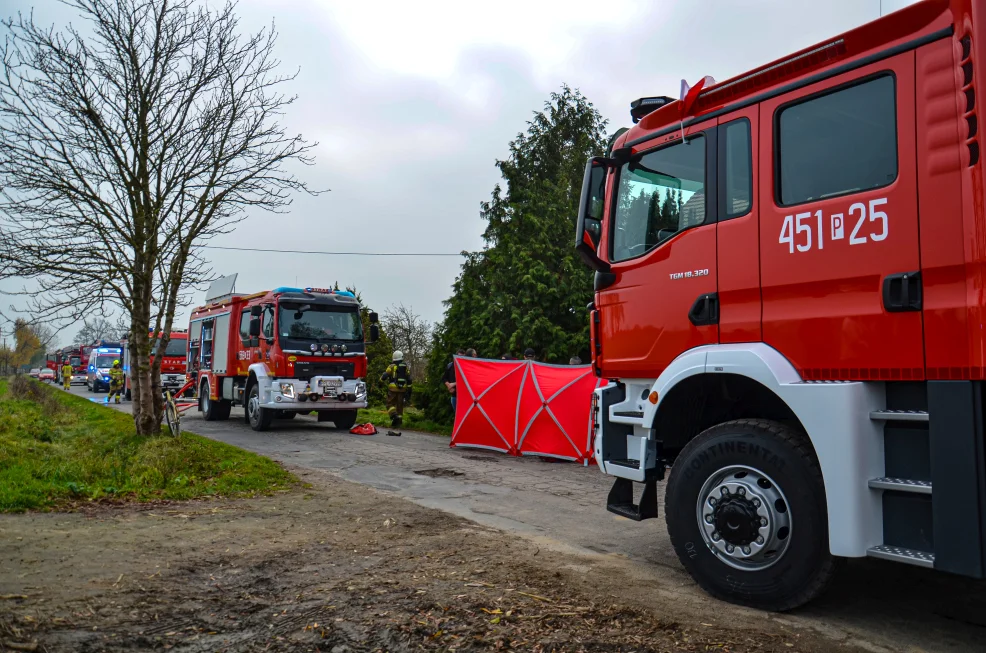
(287, 390)
(360, 389)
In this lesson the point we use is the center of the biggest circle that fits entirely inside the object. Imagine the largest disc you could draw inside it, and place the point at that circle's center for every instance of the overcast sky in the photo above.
(412, 102)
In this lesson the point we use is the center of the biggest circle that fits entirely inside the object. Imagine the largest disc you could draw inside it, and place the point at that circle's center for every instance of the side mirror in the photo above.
(256, 311)
(589, 225)
(255, 327)
(374, 318)
(374, 333)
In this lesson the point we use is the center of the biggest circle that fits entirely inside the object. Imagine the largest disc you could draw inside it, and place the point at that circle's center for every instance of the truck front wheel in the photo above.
(745, 509)
(258, 418)
(344, 419)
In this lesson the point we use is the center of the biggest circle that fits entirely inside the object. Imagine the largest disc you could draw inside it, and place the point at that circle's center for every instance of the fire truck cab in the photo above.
(280, 353)
(789, 310)
(173, 366)
(78, 357)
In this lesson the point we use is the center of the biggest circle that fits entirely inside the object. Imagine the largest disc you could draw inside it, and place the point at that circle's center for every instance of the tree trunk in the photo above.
(145, 420)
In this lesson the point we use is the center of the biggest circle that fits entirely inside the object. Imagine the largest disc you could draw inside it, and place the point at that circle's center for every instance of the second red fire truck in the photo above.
(789, 309)
(279, 353)
(173, 365)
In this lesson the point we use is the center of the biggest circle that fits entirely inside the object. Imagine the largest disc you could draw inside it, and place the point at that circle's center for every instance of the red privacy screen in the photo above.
(524, 408)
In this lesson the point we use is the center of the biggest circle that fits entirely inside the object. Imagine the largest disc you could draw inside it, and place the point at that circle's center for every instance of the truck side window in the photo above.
(838, 143)
(268, 321)
(245, 325)
(735, 165)
(660, 193)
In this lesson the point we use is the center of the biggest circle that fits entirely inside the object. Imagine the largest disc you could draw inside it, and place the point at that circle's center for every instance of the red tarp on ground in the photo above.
(524, 408)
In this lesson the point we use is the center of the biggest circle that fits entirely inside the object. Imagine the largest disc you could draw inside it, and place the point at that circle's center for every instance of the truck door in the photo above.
(249, 347)
(661, 245)
(839, 225)
(738, 228)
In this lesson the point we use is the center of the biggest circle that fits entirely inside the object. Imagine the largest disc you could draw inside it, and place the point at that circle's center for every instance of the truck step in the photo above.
(620, 501)
(899, 415)
(901, 485)
(631, 463)
(899, 554)
(638, 414)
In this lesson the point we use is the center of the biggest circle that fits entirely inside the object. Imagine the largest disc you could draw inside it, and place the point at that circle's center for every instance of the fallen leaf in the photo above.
(495, 620)
(536, 597)
(8, 597)
(497, 611)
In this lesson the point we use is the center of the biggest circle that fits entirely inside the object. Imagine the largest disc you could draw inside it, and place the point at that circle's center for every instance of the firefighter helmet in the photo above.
(398, 356)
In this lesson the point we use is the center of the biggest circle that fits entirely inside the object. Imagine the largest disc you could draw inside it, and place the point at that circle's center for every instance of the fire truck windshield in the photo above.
(75, 361)
(660, 194)
(310, 321)
(175, 347)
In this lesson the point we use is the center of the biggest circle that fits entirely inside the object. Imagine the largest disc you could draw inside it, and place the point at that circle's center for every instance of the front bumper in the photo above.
(350, 396)
(172, 381)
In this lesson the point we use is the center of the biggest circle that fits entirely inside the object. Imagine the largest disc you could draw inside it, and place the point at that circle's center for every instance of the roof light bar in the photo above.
(643, 106)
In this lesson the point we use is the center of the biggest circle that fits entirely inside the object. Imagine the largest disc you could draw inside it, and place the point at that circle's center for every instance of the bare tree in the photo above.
(411, 335)
(123, 148)
(95, 329)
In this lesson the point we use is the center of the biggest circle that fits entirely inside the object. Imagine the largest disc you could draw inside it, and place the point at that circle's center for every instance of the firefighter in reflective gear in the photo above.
(66, 375)
(398, 379)
(116, 382)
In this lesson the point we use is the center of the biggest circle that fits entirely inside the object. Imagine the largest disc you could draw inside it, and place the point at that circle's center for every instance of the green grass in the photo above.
(57, 449)
(414, 420)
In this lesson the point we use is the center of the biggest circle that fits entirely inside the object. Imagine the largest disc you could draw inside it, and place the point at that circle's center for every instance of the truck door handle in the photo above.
(705, 310)
(902, 292)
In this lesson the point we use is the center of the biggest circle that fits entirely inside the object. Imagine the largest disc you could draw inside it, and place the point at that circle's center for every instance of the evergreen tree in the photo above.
(526, 287)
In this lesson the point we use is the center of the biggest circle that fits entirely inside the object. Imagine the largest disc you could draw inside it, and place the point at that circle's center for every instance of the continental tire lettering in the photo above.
(757, 451)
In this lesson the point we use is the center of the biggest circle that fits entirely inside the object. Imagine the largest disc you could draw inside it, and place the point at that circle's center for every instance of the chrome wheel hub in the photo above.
(744, 518)
(253, 406)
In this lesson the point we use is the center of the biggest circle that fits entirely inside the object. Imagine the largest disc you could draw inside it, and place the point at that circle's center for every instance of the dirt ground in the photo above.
(335, 567)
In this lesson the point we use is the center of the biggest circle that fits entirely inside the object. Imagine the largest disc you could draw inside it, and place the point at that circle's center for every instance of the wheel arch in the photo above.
(259, 374)
(700, 401)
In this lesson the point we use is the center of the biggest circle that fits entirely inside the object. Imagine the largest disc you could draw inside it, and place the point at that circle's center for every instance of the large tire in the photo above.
(746, 512)
(258, 418)
(212, 410)
(344, 419)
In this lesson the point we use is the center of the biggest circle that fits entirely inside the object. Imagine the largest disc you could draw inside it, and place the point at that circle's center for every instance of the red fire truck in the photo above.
(78, 357)
(279, 353)
(789, 310)
(173, 367)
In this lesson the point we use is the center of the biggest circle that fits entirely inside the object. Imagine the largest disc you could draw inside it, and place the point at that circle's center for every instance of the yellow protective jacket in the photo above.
(398, 377)
(66, 370)
(116, 377)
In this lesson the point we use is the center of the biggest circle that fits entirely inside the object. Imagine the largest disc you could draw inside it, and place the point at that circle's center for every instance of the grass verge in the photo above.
(414, 420)
(57, 449)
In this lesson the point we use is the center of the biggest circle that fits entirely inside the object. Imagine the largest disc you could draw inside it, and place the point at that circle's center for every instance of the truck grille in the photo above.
(306, 371)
